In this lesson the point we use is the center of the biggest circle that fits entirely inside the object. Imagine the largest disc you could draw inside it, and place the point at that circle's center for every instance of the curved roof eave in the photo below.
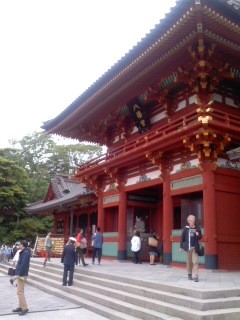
(162, 27)
(137, 50)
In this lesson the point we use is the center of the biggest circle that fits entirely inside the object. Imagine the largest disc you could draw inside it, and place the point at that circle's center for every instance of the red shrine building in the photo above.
(169, 114)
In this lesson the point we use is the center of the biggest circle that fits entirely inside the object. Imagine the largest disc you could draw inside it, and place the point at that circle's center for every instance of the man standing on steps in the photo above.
(69, 259)
(189, 238)
(48, 248)
(22, 273)
(97, 245)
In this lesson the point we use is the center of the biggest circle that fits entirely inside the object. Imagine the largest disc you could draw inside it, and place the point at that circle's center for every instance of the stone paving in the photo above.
(44, 306)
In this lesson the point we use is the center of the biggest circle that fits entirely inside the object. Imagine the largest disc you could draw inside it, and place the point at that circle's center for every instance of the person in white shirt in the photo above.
(15, 261)
(136, 247)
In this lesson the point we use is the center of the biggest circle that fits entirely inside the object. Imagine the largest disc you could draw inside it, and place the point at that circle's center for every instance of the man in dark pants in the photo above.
(22, 273)
(69, 259)
(97, 245)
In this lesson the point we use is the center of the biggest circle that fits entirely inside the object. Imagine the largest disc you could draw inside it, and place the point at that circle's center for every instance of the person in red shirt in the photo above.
(79, 250)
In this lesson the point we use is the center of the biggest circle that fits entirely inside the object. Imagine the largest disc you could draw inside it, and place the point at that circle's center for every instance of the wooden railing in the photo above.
(225, 121)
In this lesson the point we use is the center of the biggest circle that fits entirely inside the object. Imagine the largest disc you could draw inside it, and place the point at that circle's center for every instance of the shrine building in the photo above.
(169, 114)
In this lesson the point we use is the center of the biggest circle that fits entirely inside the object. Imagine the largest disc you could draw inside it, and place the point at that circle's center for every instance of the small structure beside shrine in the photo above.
(73, 206)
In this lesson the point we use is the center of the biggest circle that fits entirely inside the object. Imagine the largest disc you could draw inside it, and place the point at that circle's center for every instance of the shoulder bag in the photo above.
(152, 242)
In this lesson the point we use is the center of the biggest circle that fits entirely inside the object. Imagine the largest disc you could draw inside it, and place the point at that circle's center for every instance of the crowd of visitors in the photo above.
(74, 252)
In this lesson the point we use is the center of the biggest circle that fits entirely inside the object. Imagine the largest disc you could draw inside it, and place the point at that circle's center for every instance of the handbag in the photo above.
(11, 271)
(200, 249)
(152, 242)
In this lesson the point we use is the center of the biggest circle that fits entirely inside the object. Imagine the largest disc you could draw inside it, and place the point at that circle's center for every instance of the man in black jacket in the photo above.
(69, 259)
(22, 273)
(189, 239)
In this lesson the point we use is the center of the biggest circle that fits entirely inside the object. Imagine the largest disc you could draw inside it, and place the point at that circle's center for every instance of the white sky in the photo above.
(53, 50)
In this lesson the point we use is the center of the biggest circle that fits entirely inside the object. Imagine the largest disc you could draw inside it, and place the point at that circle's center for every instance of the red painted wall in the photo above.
(228, 221)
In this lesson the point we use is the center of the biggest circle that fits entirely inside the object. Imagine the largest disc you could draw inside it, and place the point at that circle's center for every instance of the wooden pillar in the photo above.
(209, 209)
(77, 224)
(66, 226)
(167, 219)
(71, 222)
(89, 220)
(101, 223)
(122, 226)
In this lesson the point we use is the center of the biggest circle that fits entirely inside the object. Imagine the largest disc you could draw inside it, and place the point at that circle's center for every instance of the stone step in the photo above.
(104, 286)
(65, 294)
(51, 283)
(141, 307)
(103, 305)
(131, 304)
(191, 292)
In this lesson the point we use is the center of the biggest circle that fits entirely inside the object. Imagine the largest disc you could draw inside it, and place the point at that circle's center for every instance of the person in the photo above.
(139, 224)
(97, 245)
(4, 253)
(153, 251)
(79, 251)
(84, 244)
(15, 261)
(48, 248)
(189, 238)
(22, 270)
(69, 259)
(136, 247)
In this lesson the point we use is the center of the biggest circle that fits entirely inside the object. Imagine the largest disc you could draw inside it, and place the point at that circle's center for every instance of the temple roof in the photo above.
(153, 58)
(62, 191)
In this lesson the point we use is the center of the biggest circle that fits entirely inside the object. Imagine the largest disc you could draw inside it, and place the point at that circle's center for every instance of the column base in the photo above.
(211, 261)
(122, 255)
(167, 258)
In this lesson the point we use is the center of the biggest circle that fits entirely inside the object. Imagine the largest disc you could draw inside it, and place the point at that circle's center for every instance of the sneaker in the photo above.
(190, 277)
(23, 312)
(86, 264)
(195, 279)
(17, 309)
(11, 281)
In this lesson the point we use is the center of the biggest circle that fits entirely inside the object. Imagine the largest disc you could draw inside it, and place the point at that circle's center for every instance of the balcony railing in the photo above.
(177, 127)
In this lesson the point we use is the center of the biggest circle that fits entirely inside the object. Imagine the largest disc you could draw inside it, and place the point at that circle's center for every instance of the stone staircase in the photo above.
(118, 298)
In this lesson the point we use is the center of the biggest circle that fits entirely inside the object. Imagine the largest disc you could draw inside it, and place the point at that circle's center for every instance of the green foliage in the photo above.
(26, 170)
(28, 229)
(13, 186)
(48, 223)
(42, 158)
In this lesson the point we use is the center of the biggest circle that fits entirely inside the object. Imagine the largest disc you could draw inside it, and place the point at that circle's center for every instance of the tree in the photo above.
(13, 195)
(13, 186)
(25, 172)
(42, 158)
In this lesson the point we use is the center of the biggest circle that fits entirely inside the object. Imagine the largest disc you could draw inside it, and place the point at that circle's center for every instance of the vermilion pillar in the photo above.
(66, 226)
(210, 228)
(167, 219)
(122, 226)
(100, 210)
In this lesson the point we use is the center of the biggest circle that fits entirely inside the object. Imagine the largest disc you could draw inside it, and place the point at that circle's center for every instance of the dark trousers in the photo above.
(80, 256)
(98, 252)
(136, 256)
(70, 269)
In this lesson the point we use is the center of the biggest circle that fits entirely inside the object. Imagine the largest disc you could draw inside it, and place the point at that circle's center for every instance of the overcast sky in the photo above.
(53, 50)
